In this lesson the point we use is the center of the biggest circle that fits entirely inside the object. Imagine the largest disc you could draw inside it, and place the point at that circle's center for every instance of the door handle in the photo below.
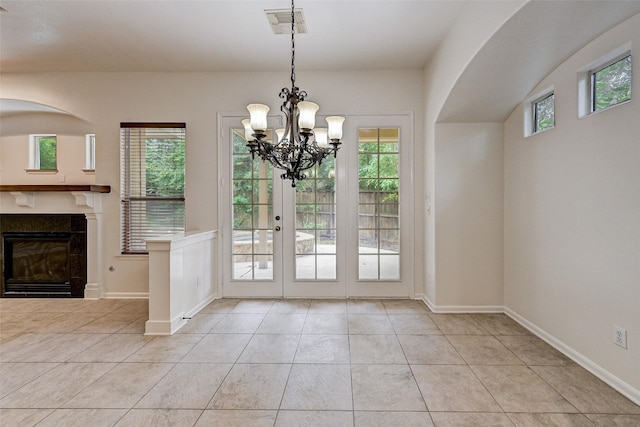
(277, 217)
(277, 228)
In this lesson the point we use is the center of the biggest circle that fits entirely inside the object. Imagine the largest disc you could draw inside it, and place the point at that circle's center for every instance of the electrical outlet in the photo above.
(619, 336)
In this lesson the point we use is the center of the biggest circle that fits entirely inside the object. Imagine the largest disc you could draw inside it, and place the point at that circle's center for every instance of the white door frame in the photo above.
(346, 284)
(402, 288)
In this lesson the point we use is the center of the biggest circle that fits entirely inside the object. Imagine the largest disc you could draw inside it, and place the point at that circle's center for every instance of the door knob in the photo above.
(277, 228)
(277, 217)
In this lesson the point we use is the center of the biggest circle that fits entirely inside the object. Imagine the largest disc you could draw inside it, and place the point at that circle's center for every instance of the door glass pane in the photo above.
(389, 267)
(316, 224)
(326, 267)
(368, 267)
(252, 214)
(379, 207)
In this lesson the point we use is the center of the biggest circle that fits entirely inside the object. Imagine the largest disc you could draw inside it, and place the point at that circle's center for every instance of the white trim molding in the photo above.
(126, 295)
(459, 308)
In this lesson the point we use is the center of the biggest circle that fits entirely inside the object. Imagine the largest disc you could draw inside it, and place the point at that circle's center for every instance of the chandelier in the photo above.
(299, 146)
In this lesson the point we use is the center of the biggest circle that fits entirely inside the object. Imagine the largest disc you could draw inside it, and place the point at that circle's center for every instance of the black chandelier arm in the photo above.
(253, 148)
(285, 93)
(277, 157)
(289, 157)
(293, 94)
(335, 146)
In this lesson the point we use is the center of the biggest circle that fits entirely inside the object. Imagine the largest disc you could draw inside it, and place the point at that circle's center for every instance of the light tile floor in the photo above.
(288, 363)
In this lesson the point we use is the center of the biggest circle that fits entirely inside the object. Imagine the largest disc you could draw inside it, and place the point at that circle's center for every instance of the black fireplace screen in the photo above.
(37, 262)
(43, 255)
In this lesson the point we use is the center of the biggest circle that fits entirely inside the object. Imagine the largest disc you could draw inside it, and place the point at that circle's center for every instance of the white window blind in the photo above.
(152, 169)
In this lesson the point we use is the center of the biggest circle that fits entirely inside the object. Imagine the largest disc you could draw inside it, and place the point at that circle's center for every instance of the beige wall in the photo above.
(572, 221)
(70, 150)
(70, 140)
(469, 216)
(475, 26)
(567, 207)
(106, 99)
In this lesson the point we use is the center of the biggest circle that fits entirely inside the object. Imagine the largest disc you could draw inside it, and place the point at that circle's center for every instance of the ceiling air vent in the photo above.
(280, 21)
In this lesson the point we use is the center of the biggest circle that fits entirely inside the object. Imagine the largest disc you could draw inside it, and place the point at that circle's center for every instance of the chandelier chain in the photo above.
(293, 45)
(298, 147)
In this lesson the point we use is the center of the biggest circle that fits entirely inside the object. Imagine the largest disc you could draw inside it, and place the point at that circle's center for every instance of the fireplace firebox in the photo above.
(43, 255)
(37, 263)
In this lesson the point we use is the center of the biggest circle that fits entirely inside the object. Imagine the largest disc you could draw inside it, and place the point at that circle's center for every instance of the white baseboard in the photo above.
(621, 386)
(460, 308)
(195, 310)
(126, 295)
(164, 327)
(616, 383)
(91, 291)
(170, 327)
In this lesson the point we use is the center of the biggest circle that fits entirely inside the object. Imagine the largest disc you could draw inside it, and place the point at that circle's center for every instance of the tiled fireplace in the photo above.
(51, 240)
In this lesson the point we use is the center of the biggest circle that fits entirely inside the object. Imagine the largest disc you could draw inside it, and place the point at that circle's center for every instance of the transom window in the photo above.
(610, 84)
(544, 115)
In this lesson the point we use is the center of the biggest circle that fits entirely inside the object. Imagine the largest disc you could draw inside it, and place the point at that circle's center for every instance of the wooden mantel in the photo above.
(33, 188)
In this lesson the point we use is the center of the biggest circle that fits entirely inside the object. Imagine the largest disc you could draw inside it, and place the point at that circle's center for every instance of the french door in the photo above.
(337, 234)
(278, 240)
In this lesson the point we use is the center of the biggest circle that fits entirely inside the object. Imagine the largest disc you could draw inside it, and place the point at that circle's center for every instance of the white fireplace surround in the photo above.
(88, 203)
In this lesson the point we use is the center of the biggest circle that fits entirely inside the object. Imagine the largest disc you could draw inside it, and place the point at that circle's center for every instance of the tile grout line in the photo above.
(275, 420)
(494, 333)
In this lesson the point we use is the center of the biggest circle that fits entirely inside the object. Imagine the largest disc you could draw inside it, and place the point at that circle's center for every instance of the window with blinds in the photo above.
(152, 170)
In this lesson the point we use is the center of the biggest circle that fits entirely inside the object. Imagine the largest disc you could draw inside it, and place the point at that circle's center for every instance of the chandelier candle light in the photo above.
(298, 146)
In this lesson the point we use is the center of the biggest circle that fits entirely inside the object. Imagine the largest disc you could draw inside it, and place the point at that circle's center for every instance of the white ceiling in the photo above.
(217, 35)
(235, 35)
(529, 46)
